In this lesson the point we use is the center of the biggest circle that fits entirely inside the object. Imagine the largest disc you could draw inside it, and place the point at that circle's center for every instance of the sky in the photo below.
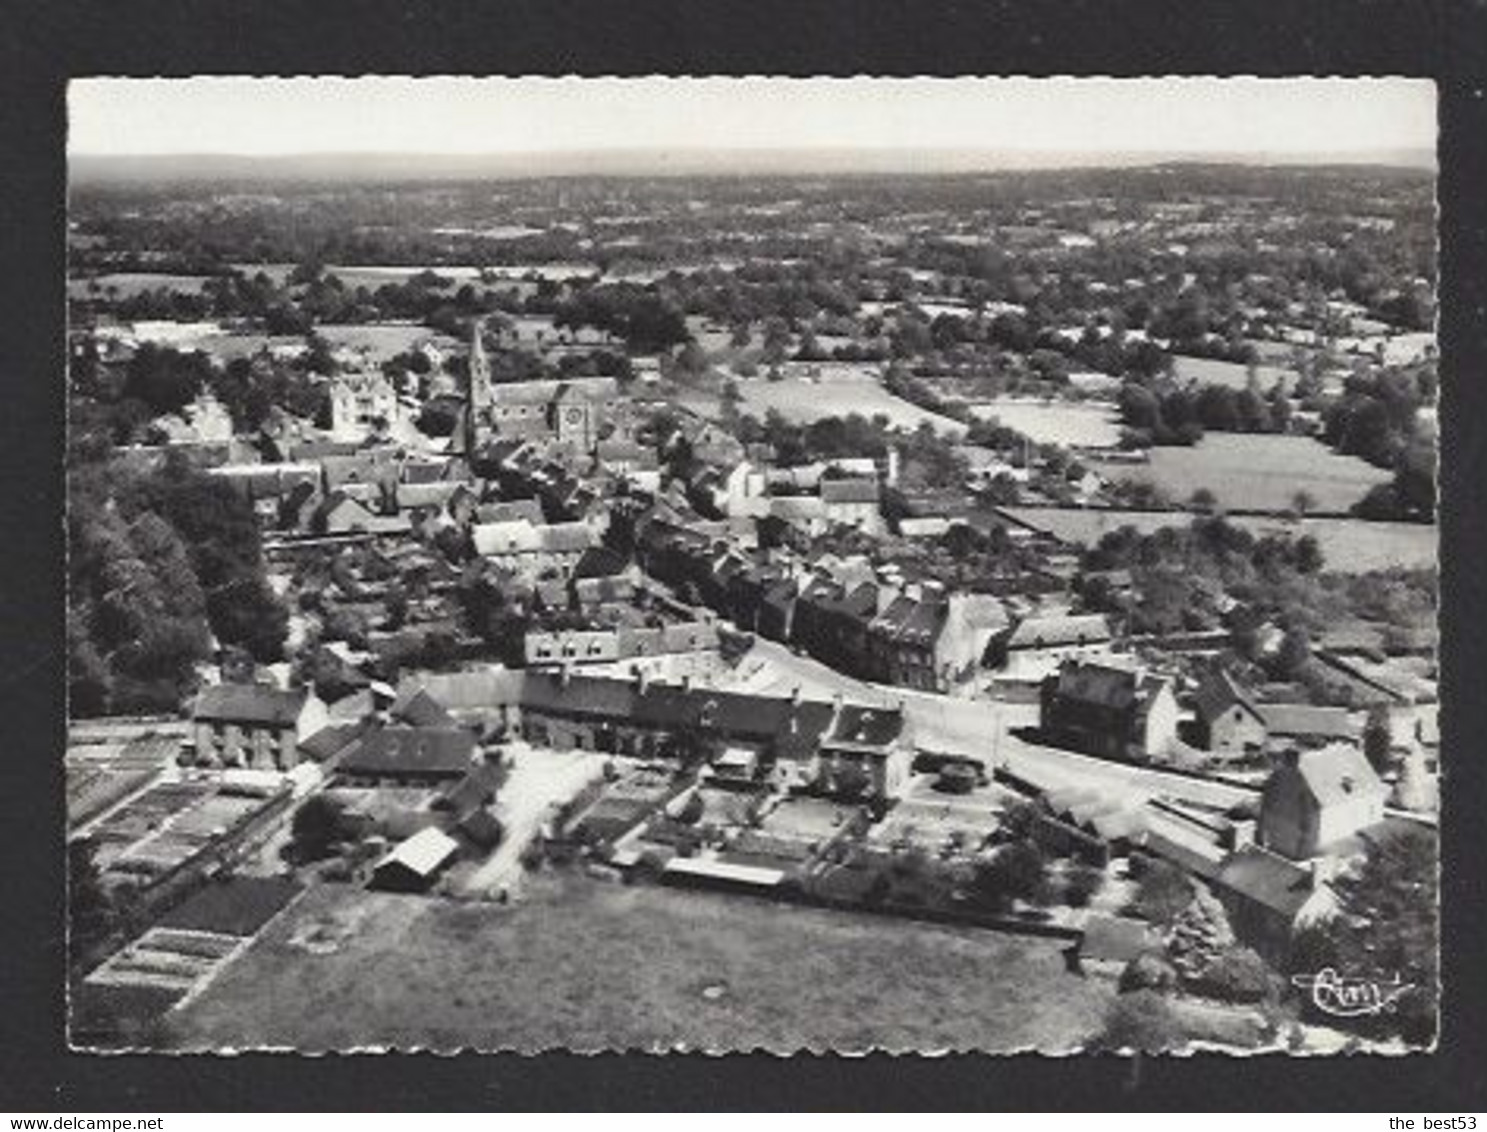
(251, 116)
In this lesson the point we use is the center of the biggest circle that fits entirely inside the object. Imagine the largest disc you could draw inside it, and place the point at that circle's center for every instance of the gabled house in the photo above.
(1041, 640)
(1228, 721)
(852, 503)
(865, 753)
(1269, 898)
(529, 550)
(254, 726)
(1120, 713)
(1317, 798)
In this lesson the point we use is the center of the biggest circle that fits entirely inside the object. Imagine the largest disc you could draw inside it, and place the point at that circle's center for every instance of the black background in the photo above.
(42, 47)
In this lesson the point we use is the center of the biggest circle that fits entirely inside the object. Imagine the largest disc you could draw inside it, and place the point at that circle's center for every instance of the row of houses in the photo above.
(913, 635)
(608, 644)
(838, 747)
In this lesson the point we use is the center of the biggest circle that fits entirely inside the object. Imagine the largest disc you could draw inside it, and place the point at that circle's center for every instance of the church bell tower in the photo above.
(477, 388)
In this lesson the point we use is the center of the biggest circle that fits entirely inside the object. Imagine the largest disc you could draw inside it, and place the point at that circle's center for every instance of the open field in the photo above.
(803, 401)
(380, 340)
(127, 284)
(1348, 545)
(373, 276)
(591, 965)
(1256, 472)
(1079, 424)
(1235, 375)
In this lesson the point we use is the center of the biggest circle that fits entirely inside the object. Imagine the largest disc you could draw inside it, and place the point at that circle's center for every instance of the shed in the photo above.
(414, 864)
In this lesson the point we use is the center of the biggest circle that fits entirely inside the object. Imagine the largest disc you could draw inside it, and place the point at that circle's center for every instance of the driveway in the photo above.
(541, 780)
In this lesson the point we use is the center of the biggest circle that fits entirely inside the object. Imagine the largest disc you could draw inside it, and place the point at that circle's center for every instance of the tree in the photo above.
(1203, 500)
(1149, 971)
(1377, 742)
(1302, 502)
(316, 827)
(1082, 884)
(165, 379)
(1143, 1022)
(1162, 893)
(1139, 408)
(1016, 872)
(1387, 928)
(1309, 557)
(1238, 974)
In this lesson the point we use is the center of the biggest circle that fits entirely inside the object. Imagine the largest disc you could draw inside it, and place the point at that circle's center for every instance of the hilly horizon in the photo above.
(654, 162)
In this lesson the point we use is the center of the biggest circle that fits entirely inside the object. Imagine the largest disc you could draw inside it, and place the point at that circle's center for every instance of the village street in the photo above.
(540, 780)
(983, 729)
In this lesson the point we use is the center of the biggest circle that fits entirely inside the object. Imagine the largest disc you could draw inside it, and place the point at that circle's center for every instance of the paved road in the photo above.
(983, 729)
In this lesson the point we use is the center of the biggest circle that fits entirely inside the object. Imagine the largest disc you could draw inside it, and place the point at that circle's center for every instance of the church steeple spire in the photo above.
(477, 386)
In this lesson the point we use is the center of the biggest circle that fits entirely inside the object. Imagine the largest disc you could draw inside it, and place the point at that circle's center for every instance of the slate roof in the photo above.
(466, 691)
(1218, 693)
(1308, 720)
(544, 392)
(419, 709)
(859, 726)
(504, 538)
(332, 740)
(1065, 629)
(438, 494)
(1338, 773)
(599, 562)
(249, 703)
(444, 751)
(849, 491)
(1267, 879)
(476, 789)
(362, 467)
(510, 510)
(1116, 688)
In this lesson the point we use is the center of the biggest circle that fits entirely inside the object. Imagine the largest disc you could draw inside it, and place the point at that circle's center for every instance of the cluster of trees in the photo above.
(1177, 573)
(826, 438)
(647, 322)
(1387, 927)
(1169, 414)
(160, 564)
(1378, 419)
(118, 404)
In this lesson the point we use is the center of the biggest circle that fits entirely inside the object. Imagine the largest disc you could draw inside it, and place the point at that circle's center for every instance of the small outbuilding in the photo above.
(414, 864)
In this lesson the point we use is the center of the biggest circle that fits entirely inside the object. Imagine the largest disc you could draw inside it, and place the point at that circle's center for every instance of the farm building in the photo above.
(1307, 725)
(1268, 897)
(1315, 799)
(413, 865)
(409, 756)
